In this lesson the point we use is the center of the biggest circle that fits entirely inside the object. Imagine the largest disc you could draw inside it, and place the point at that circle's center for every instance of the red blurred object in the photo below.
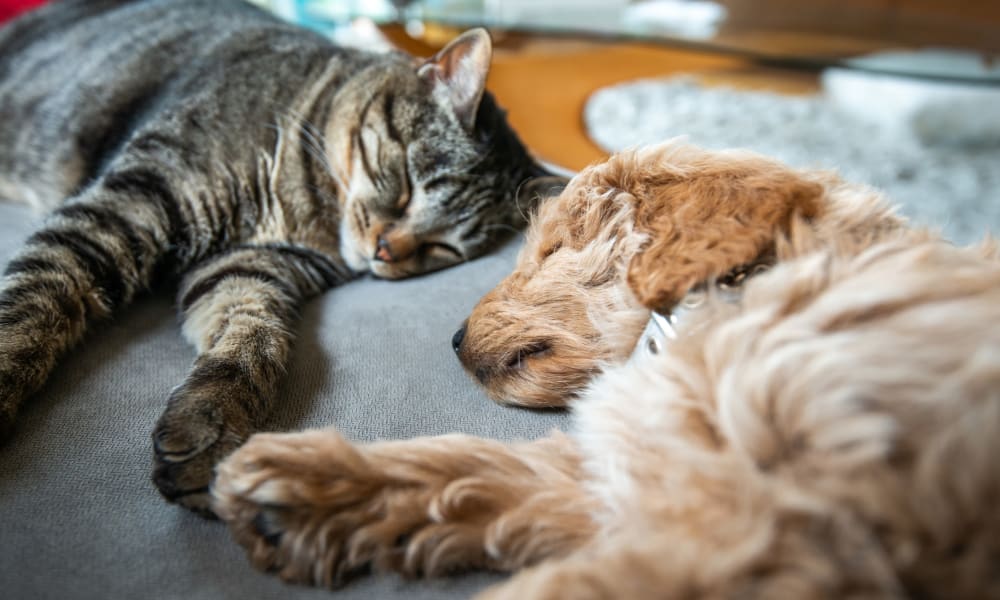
(11, 8)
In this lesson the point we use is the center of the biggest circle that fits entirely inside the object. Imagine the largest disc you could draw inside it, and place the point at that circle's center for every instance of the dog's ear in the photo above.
(701, 228)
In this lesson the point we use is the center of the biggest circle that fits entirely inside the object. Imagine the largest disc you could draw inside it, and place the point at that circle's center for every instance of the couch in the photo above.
(79, 517)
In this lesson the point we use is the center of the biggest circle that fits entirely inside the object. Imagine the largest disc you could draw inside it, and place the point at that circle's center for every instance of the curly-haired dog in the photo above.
(567, 309)
(831, 434)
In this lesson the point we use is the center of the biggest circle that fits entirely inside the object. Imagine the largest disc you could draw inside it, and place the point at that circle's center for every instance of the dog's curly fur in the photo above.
(832, 434)
(641, 230)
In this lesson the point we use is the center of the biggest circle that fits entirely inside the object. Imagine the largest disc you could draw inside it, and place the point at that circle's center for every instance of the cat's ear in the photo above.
(458, 72)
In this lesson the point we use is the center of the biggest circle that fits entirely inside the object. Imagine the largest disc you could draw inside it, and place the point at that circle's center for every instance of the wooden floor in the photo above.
(545, 86)
(544, 83)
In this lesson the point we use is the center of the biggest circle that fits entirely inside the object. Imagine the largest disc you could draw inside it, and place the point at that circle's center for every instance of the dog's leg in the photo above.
(601, 576)
(315, 508)
(813, 558)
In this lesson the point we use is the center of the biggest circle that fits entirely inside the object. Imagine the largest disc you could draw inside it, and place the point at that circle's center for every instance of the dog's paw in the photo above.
(315, 509)
(192, 436)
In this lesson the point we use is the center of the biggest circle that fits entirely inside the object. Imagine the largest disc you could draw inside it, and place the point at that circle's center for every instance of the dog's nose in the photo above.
(456, 340)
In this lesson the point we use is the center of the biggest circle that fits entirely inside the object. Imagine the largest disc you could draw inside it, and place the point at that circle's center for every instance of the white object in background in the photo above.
(935, 112)
(688, 18)
(593, 15)
(361, 33)
(341, 10)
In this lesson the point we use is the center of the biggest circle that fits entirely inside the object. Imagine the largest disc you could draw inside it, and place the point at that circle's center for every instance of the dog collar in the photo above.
(662, 326)
(659, 329)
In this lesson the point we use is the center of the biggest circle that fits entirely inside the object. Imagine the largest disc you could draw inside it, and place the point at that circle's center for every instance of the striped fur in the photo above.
(253, 162)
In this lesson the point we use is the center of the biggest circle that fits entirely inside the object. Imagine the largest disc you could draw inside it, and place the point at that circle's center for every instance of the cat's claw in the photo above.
(187, 446)
(184, 479)
(7, 415)
(8, 406)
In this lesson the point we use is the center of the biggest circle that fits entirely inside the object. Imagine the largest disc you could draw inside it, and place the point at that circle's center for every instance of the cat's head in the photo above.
(433, 174)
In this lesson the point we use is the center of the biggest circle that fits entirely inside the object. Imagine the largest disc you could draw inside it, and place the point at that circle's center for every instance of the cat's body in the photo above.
(251, 159)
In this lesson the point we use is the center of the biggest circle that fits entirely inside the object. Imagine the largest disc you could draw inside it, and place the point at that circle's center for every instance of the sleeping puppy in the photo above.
(825, 427)
(644, 229)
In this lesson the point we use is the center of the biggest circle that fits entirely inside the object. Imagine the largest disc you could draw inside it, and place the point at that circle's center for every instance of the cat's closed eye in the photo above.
(441, 250)
(405, 194)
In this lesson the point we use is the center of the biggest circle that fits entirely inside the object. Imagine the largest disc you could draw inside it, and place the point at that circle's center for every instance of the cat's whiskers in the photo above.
(517, 199)
(323, 194)
(504, 227)
(314, 144)
(310, 147)
(310, 133)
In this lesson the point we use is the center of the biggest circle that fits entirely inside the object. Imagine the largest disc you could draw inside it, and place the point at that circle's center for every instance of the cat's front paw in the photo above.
(192, 436)
(314, 509)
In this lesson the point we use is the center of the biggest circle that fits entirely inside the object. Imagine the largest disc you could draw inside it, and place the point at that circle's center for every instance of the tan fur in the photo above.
(471, 503)
(832, 435)
(638, 231)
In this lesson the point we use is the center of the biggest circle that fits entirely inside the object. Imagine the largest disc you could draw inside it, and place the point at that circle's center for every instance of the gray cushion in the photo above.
(79, 517)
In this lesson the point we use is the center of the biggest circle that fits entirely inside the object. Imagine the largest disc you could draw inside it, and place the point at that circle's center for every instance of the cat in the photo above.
(254, 163)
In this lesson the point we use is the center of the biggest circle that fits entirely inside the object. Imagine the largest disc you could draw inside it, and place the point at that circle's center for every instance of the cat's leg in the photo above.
(315, 508)
(239, 309)
(91, 257)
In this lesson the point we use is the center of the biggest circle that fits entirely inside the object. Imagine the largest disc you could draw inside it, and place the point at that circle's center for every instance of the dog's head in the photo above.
(635, 233)
(565, 309)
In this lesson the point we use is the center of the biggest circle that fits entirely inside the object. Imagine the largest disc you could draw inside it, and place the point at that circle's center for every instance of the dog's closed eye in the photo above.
(536, 350)
(738, 276)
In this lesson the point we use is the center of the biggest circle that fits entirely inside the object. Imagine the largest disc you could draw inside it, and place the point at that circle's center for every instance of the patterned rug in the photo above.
(937, 180)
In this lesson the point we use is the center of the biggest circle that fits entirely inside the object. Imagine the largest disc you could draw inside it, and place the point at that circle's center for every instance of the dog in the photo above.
(823, 425)
(579, 296)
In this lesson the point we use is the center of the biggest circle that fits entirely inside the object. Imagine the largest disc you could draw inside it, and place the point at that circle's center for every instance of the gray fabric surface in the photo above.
(79, 517)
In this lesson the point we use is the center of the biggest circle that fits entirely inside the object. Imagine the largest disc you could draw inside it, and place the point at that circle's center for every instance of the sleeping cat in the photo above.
(251, 159)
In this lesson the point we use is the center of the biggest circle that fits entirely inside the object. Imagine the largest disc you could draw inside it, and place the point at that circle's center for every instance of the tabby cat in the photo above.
(254, 161)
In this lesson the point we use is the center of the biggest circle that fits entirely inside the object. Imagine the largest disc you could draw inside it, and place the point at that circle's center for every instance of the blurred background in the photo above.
(553, 54)
(903, 95)
(899, 94)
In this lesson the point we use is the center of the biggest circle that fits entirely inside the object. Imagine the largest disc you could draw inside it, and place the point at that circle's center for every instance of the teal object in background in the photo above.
(328, 15)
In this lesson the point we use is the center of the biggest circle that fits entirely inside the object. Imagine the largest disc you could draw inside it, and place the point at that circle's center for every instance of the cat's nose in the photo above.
(456, 340)
(394, 245)
(383, 251)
